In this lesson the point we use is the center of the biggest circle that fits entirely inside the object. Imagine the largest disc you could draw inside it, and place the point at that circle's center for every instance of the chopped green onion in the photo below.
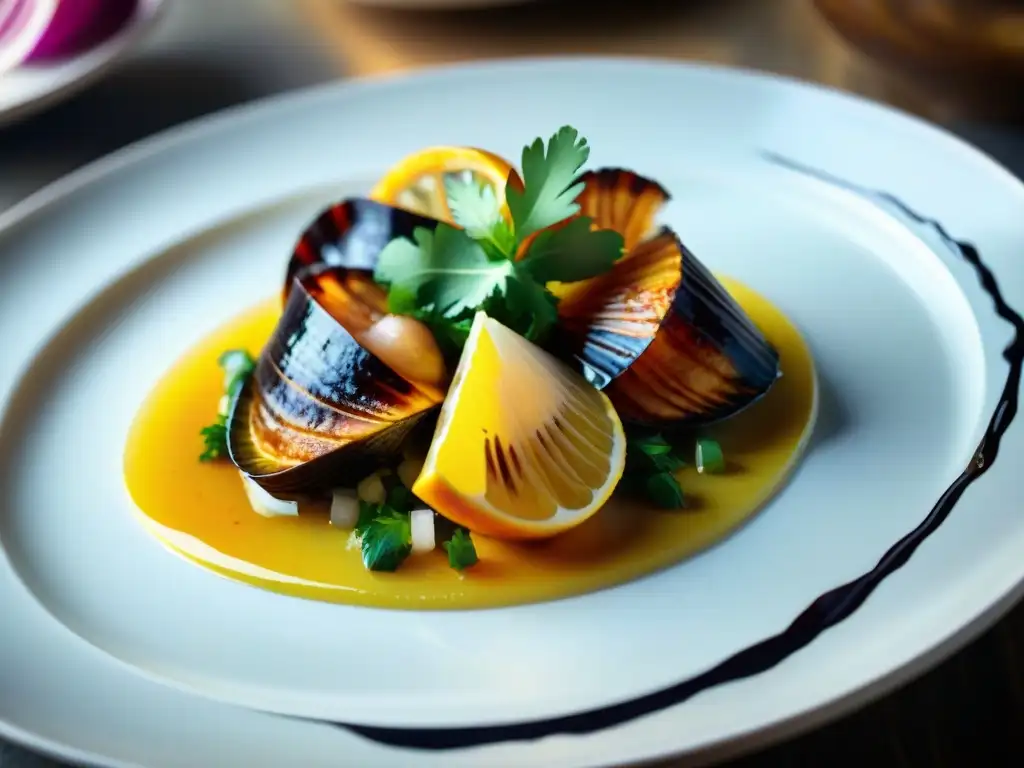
(709, 457)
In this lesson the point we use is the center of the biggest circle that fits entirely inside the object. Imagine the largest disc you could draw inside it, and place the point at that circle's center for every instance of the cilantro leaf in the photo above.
(215, 440)
(653, 445)
(475, 207)
(386, 540)
(450, 333)
(445, 269)
(651, 461)
(664, 490)
(461, 550)
(527, 307)
(400, 498)
(238, 365)
(572, 253)
(549, 178)
(667, 462)
(402, 300)
(367, 512)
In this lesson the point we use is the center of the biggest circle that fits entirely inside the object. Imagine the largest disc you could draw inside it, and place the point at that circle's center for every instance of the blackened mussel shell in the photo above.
(321, 411)
(658, 332)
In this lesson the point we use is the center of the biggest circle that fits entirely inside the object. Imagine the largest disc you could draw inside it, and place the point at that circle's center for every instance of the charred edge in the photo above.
(713, 313)
(826, 611)
(606, 179)
(327, 239)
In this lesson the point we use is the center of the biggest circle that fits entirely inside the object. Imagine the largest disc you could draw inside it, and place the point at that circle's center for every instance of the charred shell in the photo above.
(658, 332)
(321, 411)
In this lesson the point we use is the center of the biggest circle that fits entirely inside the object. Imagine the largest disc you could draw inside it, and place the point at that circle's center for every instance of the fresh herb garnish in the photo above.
(443, 277)
(461, 550)
(215, 439)
(651, 461)
(238, 365)
(476, 209)
(445, 269)
(664, 490)
(572, 253)
(386, 540)
(549, 180)
(367, 511)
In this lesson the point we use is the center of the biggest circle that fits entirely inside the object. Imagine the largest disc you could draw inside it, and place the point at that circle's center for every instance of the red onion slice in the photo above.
(22, 25)
(79, 25)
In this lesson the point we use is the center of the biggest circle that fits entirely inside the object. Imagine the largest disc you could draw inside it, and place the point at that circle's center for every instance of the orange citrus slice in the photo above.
(524, 446)
(416, 182)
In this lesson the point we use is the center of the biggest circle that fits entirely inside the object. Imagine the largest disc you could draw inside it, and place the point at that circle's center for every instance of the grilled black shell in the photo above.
(659, 333)
(320, 410)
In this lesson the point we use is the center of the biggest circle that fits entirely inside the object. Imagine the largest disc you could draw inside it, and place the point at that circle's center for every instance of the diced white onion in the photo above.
(263, 503)
(421, 521)
(344, 508)
(409, 470)
(371, 489)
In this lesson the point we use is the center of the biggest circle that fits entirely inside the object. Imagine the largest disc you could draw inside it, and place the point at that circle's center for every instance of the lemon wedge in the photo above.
(524, 447)
(417, 182)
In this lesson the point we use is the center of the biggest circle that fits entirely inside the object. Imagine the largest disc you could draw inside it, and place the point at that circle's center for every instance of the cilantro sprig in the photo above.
(651, 464)
(488, 262)
(461, 550)
(385, 533)
(238, 365)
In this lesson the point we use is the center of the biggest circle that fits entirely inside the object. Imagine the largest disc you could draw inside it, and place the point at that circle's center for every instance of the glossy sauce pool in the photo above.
(200, 510)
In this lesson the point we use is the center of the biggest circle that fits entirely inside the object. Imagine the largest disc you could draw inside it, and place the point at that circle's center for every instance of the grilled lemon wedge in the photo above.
(417, 182)
(524, 447)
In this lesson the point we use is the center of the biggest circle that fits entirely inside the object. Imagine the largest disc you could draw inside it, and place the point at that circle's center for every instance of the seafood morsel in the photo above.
(658, 332)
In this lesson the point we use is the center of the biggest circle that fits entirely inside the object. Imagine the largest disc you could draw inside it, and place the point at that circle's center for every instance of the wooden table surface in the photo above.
(970, 710)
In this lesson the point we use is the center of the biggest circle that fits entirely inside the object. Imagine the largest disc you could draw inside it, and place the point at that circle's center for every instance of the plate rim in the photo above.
(191, 130)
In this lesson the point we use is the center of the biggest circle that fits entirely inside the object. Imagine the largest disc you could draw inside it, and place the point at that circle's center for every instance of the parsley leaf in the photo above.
(664, 490)
(443, 277)
(549, 179)
(445, 269)
(651, 462)
(475, 208)
(367, 511)
(399, 497)
(461, 550)
(215, 440)
(238, 365)
(572, 253)
(528, 308)
(386, 540)
(450, 333)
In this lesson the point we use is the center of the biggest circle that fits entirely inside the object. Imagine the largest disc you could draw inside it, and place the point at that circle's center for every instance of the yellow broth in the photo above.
(200, 510)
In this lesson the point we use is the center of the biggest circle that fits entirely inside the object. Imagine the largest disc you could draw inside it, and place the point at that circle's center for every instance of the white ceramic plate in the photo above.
(106, 277)
(28, 89)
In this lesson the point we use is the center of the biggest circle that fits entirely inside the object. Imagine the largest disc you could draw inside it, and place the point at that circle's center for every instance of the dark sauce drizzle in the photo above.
(826, 611)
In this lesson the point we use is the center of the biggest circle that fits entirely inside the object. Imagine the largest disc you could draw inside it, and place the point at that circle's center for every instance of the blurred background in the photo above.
(956, 62)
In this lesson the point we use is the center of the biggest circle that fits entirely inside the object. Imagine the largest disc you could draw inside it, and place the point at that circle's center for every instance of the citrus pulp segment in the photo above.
(524, 446)
(417, 182)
